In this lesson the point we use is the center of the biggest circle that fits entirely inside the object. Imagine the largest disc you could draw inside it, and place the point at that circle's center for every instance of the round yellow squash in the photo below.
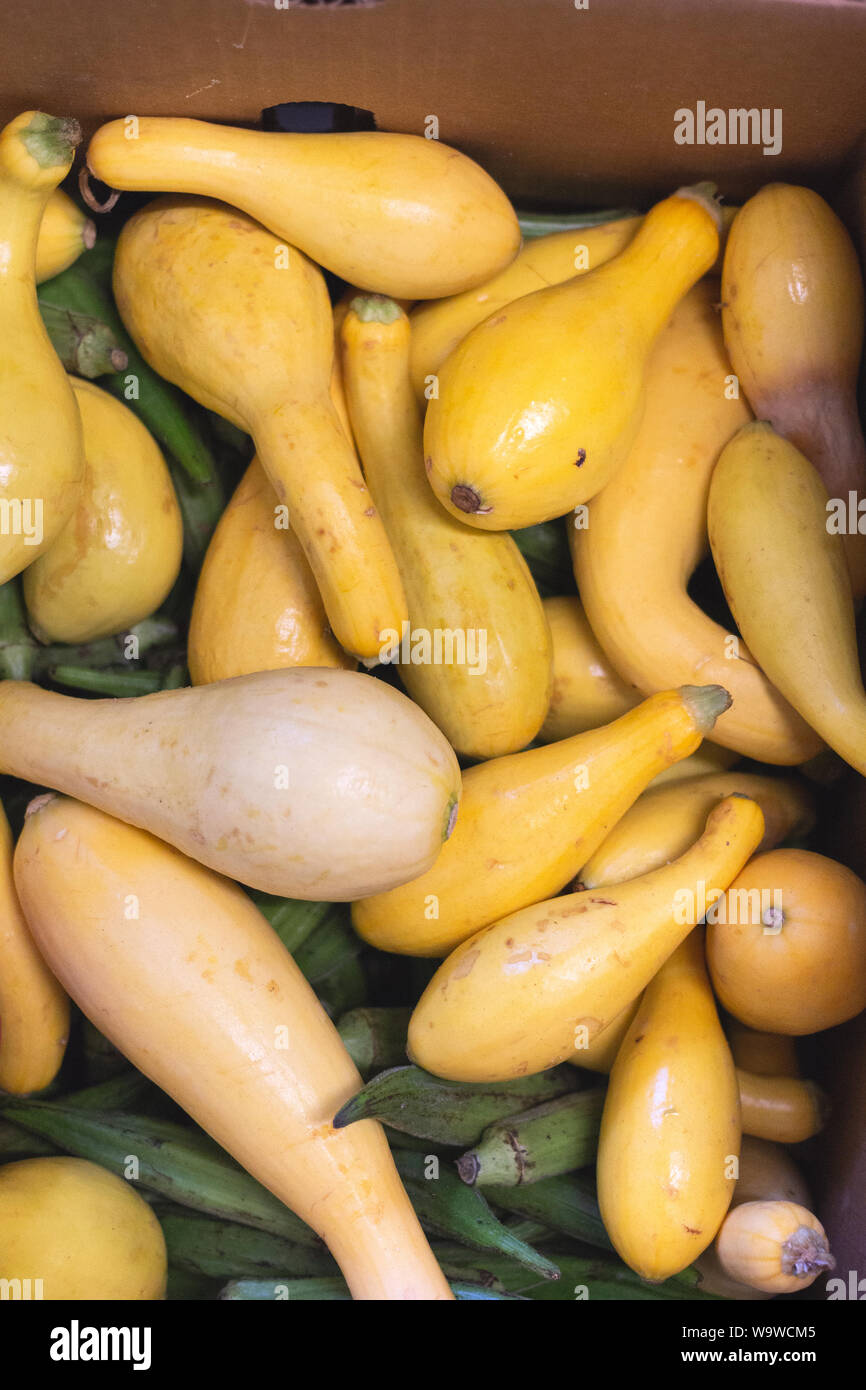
(119, 553)
(78, 1232)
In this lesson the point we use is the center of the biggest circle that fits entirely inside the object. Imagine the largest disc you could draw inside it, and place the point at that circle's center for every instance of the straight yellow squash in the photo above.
(670, 1131)
(395, 213)
(489, 689)
(179, 969)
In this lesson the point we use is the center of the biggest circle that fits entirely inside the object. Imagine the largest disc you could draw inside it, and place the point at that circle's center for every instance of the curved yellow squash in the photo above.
(515, 997)
(539, 405)
(83, 1232)
(645, 534)
(785, 578)
(243, 324)
(119, 553)
(438, 327)
(792, 312)
(34, 1010)
(308, 783)
(665, 820)
(41, 450)
(64, 232)
(256, 607)
(475, 653)
(395, 213)
(670, 1131)
(180, 970)
(528, 822)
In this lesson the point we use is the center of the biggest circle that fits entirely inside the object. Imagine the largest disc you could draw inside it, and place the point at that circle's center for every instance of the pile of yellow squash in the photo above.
(536, 807)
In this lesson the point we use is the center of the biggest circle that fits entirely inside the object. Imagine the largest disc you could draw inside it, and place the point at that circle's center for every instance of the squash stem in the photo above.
(705, 703)
(50, 140)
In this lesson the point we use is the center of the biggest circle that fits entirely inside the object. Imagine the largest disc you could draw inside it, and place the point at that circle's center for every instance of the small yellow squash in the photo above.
(64, 232)
(778, 1247)
(670, 1132)
(69, 1229)
(119, 553)
(475, 652)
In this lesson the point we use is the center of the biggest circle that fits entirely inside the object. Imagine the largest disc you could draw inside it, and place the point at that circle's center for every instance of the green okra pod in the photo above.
(582, 1278)
(567, 1205)
(533, 224)
(447, 1207)
(180, 1164)
(544, 547)
(86, 346)
(330, 1290)
(293, 919)
(225, 1250)
(449, 1112)
(18, 646)
(16, 1143)
(148, 635)
(375, 1038)
(110, 681)
(544, 1142)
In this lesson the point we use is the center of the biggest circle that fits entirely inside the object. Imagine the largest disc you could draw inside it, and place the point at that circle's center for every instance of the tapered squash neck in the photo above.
(677, 243)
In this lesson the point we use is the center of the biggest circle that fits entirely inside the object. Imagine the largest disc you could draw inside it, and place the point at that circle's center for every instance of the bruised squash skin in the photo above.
(181, 971)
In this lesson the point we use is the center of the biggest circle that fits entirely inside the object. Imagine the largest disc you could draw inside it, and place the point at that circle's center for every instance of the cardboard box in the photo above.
(569, 104)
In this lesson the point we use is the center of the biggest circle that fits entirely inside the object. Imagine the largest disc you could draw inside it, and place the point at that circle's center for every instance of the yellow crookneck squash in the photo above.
(42, 449)
(309, 782)
(215, 1011)
(538, 406)
(394, 213)
(487, 685)
(792, 311)
(670, 1131)
(515, 997)
(785, 577)
(119, 553)
(243, 324)
(635, 550)
(528, 822)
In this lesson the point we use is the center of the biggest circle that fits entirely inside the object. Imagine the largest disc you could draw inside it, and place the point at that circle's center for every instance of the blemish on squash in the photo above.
(242, 969)
(465, 966)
